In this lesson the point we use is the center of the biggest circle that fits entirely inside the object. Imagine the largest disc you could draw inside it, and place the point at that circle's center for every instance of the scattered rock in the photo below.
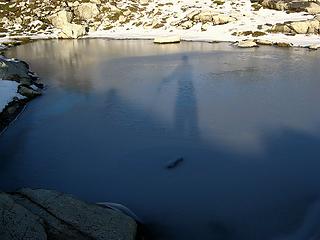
(204, 27)
(299, 27)
(283, 44)
(213, 17)
(28, 86)
(264, 42)
(28, 91)
(247, 44)
(187, 24)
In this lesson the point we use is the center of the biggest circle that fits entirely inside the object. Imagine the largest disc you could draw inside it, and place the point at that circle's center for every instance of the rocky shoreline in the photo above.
(45, 214)
(272, 22)
(18, 85)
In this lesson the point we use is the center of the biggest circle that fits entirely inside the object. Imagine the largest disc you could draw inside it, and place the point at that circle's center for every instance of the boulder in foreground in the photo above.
(46, 214)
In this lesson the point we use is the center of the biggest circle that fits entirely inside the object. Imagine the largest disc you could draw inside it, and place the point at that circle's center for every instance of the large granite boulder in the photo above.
(62, 20)
(86, 11)
(72, 30)
(64, 217)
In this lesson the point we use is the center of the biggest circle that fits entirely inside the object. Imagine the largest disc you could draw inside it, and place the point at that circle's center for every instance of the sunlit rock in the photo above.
(60, 19)
(72, 30)
(247, 44)
(86, 11)
(169, 39)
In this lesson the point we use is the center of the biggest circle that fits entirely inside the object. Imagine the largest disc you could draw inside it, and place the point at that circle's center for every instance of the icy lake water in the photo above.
(115, 113)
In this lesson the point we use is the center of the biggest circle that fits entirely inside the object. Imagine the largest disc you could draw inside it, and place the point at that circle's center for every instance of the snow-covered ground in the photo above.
(172, 15)
(8, 91)
(248, 19)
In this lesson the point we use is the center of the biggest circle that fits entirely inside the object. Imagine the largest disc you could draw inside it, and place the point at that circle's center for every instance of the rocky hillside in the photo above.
(214, 20)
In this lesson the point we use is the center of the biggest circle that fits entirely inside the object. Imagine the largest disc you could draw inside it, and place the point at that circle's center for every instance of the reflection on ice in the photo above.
(246, 122)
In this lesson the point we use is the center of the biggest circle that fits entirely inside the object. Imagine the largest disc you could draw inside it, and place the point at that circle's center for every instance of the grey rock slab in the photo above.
(17, 223)
(90, 219)
(55, 228)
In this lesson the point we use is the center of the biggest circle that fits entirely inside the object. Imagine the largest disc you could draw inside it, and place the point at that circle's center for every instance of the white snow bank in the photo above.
(8, 91)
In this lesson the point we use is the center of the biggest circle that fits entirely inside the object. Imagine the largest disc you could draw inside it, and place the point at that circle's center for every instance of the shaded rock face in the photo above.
(72, 30)
(54, 215)
(28, 87)
(18, 71)
(17, 222)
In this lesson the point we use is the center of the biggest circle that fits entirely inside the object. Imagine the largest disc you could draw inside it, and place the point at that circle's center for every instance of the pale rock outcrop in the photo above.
(204, 27)
(192, 14)
(313, 8)
(86, 11)
(214, 17)
(222, 19)
(72, 30)
(299, 27)
(186, 24)
(62, 21)
(304, 27)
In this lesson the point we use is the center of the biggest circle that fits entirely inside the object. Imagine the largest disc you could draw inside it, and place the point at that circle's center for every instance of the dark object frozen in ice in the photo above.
(175, 163)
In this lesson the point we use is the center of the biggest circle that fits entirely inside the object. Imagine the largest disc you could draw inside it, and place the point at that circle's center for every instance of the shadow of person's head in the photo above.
(185, 59)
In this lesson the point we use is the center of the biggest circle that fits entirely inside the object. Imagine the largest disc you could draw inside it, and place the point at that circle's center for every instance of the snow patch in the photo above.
(8, 91)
